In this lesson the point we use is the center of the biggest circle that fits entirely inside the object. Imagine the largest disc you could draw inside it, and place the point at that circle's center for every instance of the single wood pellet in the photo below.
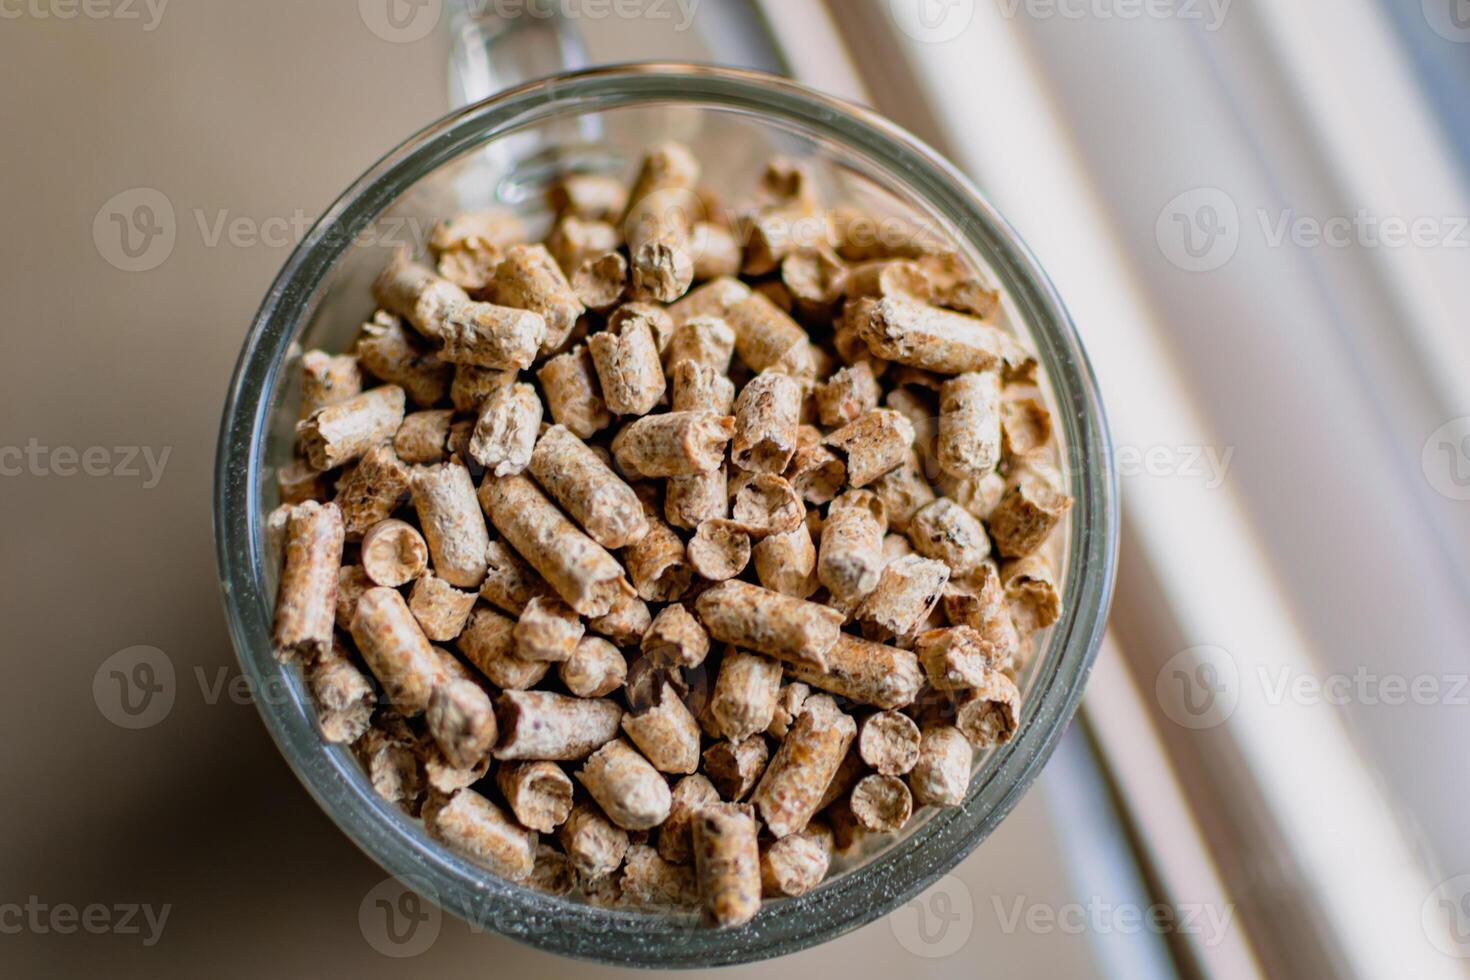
(771, 487)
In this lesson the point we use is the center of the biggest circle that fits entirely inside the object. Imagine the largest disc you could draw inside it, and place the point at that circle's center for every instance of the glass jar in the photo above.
(503, 151)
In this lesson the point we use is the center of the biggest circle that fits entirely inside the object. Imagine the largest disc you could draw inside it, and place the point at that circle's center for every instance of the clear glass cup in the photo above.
(504, 151)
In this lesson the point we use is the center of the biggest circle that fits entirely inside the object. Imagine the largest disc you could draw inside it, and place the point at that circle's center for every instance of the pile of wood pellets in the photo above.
(768, 488)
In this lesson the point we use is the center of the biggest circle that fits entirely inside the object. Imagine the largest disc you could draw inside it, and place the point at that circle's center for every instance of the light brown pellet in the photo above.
(656, 315)
(528, 278)
(982, 604)
(889, 277)
(860, 236)
(539, 793)
(907, 593)
(697, 387)
(505, 433)
(414, 292)
(342, 432)
(768, 339)
(544, 725)
(578, 568)
(490, 336)
(298, 481)
(625, 622)
(344, 696)
(767, 504)
(689, 501)
(920, 410)
(601, 281)
(736, 767)
(767, 413)
(595, 845)
(796, 863)
(472, 384)
(889, 742)
(395, 649)
(650, 883)
(1031, 507)
(444, 497)
(574, 240)
(873, 444)
(510, 581)
(388, 754)
(927, 337)
(815, 471)
(719, 550)
(768, 622)
(989, 713)
(798, 774)
(393, 553)
(591, 197)
(955, 658)
(744, 698)
(904, 492)
(714, 299)
(553, 873)
(847, 395)
(1025, 425)
(352, 582)
(941, 776)
(488, 230)
(851, 560)
(705, 340)
(388, 352)
(306, 600)
(595, 669)
(689, 795)
(569, 382)
(462, 721)
(727, 864)
(480, 830)
(488, 642)
(548, 630)
(588, 489)
(657, 563)
(816, 279)
(865, 671)
(673, 444)
(881, 804)
(969, 440)
(676, 638)
(666, 733)
(626, 357)
(789, 703)
(715, 250)
(327, 379)
(372, 490)
(849, 771)
(424, 436)
(945, 531)
(440, 608)
(847, 341)
(787, 563)
(627, 787)
(658, 220)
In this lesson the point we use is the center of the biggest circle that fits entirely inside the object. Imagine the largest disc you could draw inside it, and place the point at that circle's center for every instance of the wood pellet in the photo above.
(661, 564)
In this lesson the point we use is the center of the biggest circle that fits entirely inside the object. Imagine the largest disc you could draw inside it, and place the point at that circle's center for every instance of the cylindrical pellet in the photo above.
(462, 721)
(343, 431)
(881, 804)
(569, 383)
(904, 492)
(907, 593)
(542, 725)
(941, 776)
(727, 863)
(415, 293)
(766, 338)
(850, 562)
(990, 712)
(440, 608)
(666, 733)
(744, 698)
(490, 336)
(873, 444)
(778, 625)
(673, 444)
(578, 568)
(591, 197)
(480, 830)
(706, 340)
(715, 250)
(657, 563)
(510, 581)
(689, 501)
(423, 437)
(548, 630)
(789, 704)
(864, 671)
(372, 490)
(922, 336)
(689, 795)
(969, 424)
(588, 489)
(594, 670)
(889, 742)
(796, 863)
(719, 550)
(601, 281)
(714, 299)
(594, 844)
(344, 696)
(1024, 518)
(390, 353)
(327, 379)
(847, 396)
(306, 600)
(352, 582)
(657, 222)
(650, 883)
(627, 786)
(628, 366)
(675, 637)
(625, 622)
(947, 532)
(954, 658)
(767, 504)
(787, 563)
(444, 497)
(393, 553)
(505, 432)
(736, 767)
(767, 414)
(815, 471)
(539, 793)
(797, 776)
(696, 387)
(488, 642)
(528, 278)
(395, 649)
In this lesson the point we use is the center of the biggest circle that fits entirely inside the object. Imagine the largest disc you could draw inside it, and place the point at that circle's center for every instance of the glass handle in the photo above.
(490, 51)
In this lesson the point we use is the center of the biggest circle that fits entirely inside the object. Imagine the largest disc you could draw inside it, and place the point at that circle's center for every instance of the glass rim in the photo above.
(852, 899)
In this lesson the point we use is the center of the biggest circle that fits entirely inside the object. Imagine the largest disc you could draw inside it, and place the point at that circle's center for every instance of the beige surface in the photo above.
(255, 111)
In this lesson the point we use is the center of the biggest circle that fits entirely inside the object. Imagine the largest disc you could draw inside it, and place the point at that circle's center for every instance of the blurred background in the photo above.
(1259, 215)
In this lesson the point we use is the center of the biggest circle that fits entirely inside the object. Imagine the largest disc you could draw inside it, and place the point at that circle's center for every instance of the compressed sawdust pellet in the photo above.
(836, 411)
